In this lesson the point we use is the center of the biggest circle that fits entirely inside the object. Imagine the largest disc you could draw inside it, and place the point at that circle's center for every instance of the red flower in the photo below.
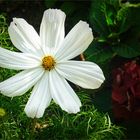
(126, 89)
(126, 82)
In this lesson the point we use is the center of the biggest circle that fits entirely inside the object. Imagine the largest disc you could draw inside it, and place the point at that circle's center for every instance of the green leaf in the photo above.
(110, 12)
(114, 3)
(128, 50)
(123, 12)
(123, 19)
(128, 16)
(103, 16)
(98, 53)
(97, 17)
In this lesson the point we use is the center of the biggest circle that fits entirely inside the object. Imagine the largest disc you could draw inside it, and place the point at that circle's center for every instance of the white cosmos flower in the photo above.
(45, 61)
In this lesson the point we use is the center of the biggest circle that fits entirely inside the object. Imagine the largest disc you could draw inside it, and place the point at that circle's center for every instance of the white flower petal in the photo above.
(52, 29)
(24, 37)
(39, 99)
(21, 82)
(17, 61)
(63, 94)
(76, 42)
(85, 74)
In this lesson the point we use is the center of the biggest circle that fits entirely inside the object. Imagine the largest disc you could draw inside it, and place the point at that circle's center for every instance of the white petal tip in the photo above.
(72, 109)
(54, 10)
(84, 25)
(99, 83)
(54, 15)
(31, 113)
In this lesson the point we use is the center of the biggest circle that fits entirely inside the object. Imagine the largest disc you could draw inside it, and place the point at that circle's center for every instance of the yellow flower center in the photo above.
(48, 62)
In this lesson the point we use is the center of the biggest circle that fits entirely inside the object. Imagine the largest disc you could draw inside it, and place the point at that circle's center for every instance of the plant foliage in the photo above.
(117, 27)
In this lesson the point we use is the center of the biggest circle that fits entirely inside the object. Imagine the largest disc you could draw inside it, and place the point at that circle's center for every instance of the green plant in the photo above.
(117, 30)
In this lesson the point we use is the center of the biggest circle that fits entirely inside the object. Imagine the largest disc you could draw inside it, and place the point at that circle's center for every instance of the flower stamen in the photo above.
(48, 63)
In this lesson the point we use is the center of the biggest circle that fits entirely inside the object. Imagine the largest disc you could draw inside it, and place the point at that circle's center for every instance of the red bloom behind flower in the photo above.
(126, 89)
